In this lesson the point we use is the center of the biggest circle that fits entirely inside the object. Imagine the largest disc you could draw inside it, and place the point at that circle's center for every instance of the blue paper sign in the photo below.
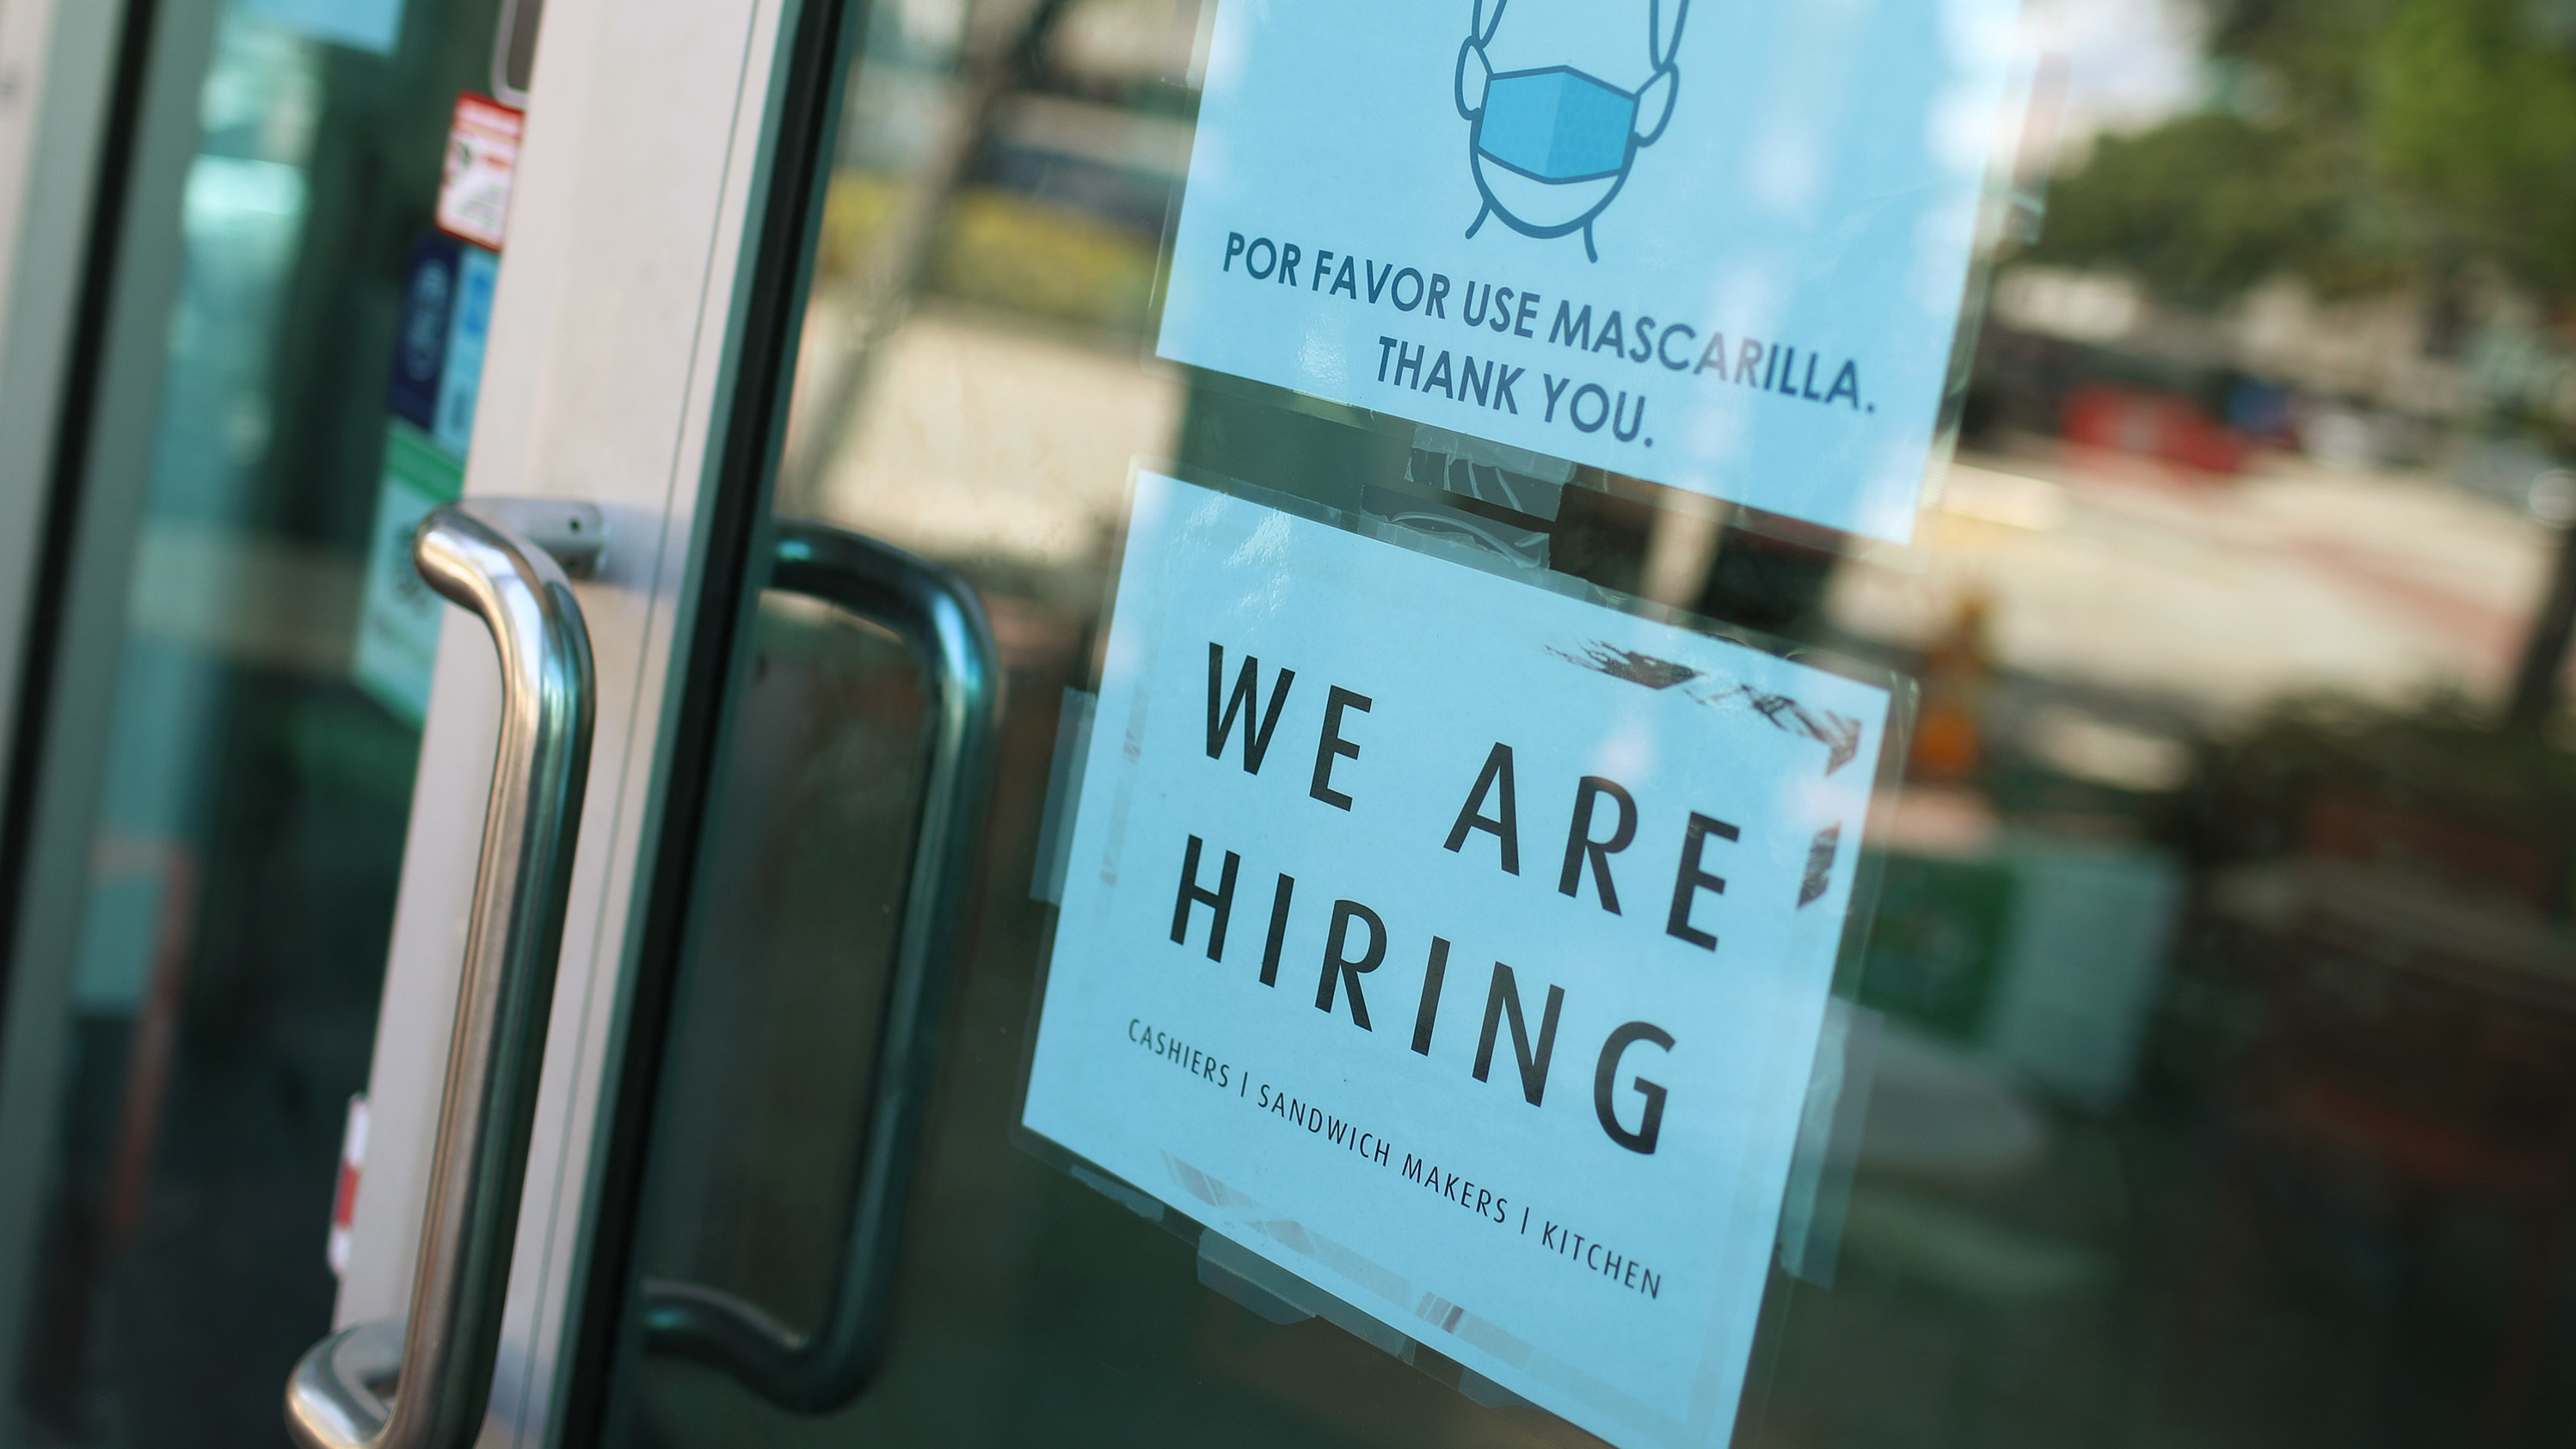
(1716, 244)
(1455, 948)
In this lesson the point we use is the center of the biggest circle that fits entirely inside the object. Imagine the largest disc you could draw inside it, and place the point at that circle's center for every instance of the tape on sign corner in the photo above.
(1064, 785)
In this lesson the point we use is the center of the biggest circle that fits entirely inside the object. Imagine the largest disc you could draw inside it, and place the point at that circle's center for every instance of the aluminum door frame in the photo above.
(616, 326)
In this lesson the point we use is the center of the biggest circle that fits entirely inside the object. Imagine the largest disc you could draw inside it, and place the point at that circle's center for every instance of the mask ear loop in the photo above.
(1664, 51)
(1671, 80)
(1478, 33)
(1472, 53)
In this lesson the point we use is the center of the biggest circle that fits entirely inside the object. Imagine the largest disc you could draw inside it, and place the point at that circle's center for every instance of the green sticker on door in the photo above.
(436, 381)
(398, 629)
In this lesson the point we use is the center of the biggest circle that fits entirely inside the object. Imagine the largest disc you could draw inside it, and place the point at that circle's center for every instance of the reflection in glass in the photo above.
(243, 843)
(2215, 1033)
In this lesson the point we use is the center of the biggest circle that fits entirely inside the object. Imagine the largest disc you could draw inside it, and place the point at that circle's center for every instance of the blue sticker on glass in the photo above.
(421, 335)
(469, 327)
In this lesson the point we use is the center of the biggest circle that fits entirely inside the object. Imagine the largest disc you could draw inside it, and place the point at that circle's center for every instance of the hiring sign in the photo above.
(1457, 945)
(1715, 244)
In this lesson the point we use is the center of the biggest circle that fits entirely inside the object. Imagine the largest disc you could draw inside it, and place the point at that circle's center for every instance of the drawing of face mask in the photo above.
(1554, 134)
(1557, 124)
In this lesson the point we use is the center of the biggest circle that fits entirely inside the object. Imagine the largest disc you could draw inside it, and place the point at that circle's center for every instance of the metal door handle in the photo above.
(940, 619)
(423, 1383)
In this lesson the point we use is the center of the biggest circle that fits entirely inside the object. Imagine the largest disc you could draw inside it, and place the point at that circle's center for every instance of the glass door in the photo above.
(207, 795)
(629, 370)
(2186, 1069)
(1634, 724)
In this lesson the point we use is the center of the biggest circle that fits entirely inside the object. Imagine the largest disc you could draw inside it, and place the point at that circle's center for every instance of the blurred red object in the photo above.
(2151, 423)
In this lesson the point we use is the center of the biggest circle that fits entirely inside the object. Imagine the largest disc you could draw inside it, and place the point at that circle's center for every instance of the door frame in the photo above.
(638, 360)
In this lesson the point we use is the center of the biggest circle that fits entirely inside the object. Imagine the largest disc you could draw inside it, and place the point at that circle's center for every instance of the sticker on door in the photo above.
(482, 163)
(1456, 946)
(437, 378)
(1713, 244)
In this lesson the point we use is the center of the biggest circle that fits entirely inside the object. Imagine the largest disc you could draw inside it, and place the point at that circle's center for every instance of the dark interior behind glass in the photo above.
(2221, 986)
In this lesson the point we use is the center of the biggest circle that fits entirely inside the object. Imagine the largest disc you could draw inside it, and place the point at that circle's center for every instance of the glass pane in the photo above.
(2204, 1079)
(803, 868)
(246, 834)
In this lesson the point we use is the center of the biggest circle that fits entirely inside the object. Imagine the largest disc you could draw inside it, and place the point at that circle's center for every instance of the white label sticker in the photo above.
(482, 159)
(1710, 243)
(1457, 946)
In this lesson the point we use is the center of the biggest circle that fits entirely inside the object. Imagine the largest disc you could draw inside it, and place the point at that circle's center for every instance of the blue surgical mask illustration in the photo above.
(1560, 96)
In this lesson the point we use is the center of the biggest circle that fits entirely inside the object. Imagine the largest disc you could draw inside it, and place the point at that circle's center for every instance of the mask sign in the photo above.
(1712, 244)
(1456, 953)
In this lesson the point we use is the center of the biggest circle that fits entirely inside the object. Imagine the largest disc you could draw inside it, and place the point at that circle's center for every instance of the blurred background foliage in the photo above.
(2359, 145)
(1004, 249)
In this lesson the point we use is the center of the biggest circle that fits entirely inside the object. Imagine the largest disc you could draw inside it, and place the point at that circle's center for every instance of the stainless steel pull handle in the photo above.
(940, 619)
(423, 1383)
